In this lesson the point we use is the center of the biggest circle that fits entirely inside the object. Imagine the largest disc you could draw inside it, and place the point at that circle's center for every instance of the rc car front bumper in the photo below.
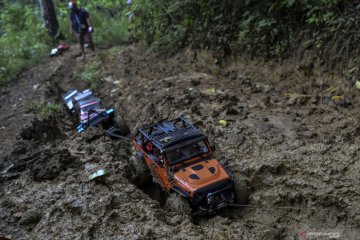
(217, 200)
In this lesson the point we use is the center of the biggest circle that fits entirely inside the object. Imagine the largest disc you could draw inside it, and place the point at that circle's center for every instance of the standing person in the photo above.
(80, 25)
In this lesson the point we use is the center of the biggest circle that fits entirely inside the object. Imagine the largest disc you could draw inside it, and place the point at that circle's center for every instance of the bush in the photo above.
(110, 30)
(259, 27)
(108, 18)
(23, 39)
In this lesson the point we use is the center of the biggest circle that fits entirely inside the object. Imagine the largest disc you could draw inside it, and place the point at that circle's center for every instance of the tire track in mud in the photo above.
(26, 151)
(64, 73)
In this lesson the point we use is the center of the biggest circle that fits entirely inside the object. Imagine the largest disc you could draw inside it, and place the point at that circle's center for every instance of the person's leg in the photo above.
(90, 41)
(80, 38)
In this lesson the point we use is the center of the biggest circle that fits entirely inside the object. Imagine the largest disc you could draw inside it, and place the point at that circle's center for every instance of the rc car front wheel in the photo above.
(141, 174)
(241, 193)
(177, 204)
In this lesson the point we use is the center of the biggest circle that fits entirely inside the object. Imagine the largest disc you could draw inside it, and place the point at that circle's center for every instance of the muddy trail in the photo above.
(293, 137)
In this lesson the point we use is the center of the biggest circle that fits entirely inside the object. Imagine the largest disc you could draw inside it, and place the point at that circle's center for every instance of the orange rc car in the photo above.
(179, 157)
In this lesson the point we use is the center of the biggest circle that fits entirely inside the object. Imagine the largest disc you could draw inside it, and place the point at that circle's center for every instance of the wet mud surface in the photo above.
(296, 146)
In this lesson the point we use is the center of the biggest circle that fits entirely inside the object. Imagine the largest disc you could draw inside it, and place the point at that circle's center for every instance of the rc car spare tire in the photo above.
(141, 174)
(241, 193)
(177, 204)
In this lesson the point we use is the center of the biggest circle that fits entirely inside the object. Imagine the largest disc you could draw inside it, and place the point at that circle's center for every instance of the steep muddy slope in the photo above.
(295, 141)
(296, 146)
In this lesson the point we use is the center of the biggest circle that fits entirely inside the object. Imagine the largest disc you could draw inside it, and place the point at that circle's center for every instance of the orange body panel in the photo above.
(182, 178)
(206, 177)
(157, 171)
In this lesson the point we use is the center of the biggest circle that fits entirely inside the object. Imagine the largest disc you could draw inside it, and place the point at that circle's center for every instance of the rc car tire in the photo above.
(141, 174)
(177, 204)
(241, 193)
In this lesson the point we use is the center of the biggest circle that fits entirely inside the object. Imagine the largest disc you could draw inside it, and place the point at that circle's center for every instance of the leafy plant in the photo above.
(21, 42)
(267, 27)
(91, 73)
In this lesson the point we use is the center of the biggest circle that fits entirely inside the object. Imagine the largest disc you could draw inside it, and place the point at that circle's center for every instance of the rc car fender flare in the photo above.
(180, 191)
(231, 174)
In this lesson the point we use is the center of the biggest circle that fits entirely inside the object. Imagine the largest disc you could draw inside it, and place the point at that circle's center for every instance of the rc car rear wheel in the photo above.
(177, 204)
(141, 174)
(241, 193)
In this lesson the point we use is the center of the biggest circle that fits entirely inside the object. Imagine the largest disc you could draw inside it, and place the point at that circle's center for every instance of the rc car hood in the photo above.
(200, 174)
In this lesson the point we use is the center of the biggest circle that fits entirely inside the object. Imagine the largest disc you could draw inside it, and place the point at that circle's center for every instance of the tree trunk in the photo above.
(49, 15)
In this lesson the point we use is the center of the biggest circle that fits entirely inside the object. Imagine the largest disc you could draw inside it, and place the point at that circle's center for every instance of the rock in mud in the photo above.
(31, 218)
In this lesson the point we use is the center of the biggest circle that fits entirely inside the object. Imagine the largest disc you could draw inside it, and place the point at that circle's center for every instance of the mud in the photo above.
(42, 130)
(296, 147)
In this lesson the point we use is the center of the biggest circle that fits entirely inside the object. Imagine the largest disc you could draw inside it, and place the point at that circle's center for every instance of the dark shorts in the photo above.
(84, 36)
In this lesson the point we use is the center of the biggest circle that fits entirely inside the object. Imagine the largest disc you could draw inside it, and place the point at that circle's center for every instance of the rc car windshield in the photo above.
(187, 152)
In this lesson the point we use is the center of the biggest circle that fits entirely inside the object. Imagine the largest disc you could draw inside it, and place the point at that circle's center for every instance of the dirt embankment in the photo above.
(293, 137)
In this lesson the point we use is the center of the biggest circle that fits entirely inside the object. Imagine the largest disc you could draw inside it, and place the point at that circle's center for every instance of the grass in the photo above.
(44, 109)
(92, 73)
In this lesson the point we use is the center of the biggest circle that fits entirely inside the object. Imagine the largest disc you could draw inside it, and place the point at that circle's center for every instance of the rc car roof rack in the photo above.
(70, 94)
(68, 98)
(170, 132)
(83, 95)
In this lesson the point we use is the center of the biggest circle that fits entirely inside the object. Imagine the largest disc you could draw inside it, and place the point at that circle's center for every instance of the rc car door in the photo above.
(158, 168)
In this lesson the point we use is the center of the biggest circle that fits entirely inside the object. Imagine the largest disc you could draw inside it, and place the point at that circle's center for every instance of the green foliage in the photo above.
(260, 27)
(91, 73)
(23, 39)
(110, 30)
(44, 109)
(108, 18)
(266, 27)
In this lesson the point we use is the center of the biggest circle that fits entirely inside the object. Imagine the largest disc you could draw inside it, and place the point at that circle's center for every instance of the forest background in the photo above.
(329, 29)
